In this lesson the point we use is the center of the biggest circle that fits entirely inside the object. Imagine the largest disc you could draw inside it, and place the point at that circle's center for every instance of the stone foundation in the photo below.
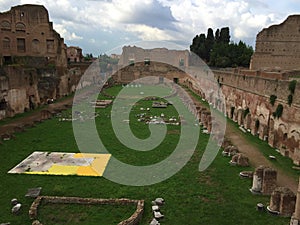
(133, 220)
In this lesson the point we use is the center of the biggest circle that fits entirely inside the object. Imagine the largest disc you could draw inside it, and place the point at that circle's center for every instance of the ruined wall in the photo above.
(177, 58)
(247, 99)
(278, 47)
(74, 54)
(140, 70)
(33, 61)
(26, 31)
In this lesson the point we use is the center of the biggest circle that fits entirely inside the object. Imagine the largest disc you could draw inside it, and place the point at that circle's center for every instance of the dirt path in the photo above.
(35, 116)
(255, 156)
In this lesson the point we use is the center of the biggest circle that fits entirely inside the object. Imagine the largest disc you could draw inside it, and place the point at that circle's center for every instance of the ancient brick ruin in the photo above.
(27, 31)
(264, 180)
(282, 201)
(33, 61)
(295, 220)
(278, 47)
(133, 54)
(74, 54)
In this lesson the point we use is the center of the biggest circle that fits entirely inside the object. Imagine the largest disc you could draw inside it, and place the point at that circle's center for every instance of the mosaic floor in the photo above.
(60, 163)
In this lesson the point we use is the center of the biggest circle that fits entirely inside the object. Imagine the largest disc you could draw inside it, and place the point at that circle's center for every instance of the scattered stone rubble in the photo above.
(230, 150)
(16, 206)
(156, 204)
(240, 160)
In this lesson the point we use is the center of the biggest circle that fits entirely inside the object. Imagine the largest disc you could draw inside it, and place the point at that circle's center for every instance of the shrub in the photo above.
(290, 100)
(292, 86)
(279, 111)
(273, 99)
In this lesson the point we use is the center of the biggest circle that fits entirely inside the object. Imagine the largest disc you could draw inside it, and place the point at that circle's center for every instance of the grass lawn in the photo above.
(216, 196)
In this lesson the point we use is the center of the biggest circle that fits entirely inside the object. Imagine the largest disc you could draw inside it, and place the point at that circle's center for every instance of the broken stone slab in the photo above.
(260, 207)
(155, 208)
(36, 222)
(33, 192)
(159, 201)
(16, 209)
(154, 222)
(246, 174)
(158, 215)
(14, 201)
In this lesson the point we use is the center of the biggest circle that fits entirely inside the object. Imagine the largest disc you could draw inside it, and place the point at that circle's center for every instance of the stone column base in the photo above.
(294, 221)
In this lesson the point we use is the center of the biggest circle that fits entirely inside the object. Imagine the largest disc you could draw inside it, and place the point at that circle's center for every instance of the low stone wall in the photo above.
(133, 220)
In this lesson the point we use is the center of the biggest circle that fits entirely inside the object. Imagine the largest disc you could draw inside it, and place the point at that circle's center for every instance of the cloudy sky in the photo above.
(98, 26)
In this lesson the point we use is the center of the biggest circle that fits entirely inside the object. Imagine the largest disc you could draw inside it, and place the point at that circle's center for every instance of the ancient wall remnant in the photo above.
(247, 98)
(264, 180)
(278, 47)
(177, 58)
(26, 31)
(74, 54)
(295, 220)
(33, 65)
(140, 70)
(282, 201)
(133, 220)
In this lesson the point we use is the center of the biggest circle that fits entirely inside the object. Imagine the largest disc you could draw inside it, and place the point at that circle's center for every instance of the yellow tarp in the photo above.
(96, 167)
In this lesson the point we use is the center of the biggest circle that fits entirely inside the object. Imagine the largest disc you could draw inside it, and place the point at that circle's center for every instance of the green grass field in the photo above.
(217, 196)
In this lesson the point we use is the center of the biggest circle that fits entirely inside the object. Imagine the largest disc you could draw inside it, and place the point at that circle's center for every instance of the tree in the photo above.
(219, 51)
(224, 35)
(217, 36)
(209, 43)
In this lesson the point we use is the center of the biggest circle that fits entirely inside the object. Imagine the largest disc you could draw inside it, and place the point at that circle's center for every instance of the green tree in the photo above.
(225, 35)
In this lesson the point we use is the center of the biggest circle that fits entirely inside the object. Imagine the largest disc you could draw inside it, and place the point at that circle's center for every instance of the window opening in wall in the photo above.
(181, 62)
(131, 62)
(5, 25)
(146, 61)
(21, 45)
(7, 60)
(50, 45)
(35, 45)
(6, 43)
(20, 27)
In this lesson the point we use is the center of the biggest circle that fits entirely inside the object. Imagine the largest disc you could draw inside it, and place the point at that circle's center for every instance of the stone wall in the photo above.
(278, 47)
(33, 64)
(177, 58)
(26, 31)
(133, 220)
(140, 70)
(74, 54)
(247, 98)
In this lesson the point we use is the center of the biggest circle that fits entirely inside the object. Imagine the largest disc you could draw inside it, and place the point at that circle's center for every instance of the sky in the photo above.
(103, 26)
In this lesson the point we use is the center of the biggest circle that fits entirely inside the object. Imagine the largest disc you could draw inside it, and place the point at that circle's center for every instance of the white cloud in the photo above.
(147, 33)
(67, 35)
(170, 20)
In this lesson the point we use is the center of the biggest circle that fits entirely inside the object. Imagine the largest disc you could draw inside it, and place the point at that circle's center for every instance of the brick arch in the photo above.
(5, 25)
(20, 27)
(282, 133)
(294, 140)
